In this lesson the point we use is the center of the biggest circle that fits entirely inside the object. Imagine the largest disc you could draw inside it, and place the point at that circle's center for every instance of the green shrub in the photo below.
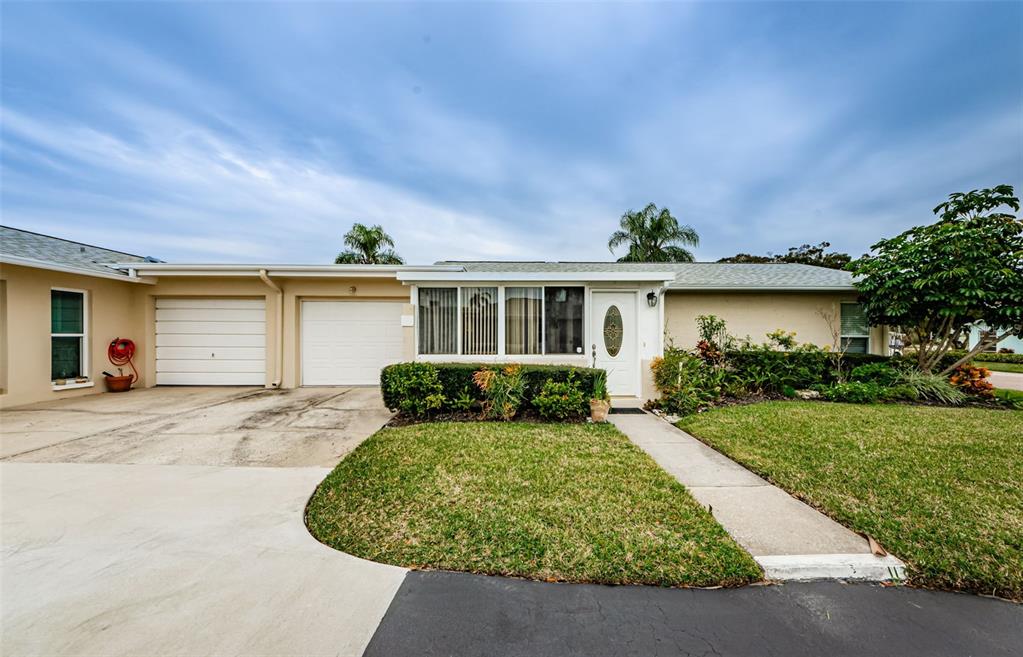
(881, 373)
(686, 382)
(463, 402)
(503, 391)
(932, 387)
(560, 400)
(900, 392)
(412, 388)
(990, 357)
(457, 377)
(853, 392)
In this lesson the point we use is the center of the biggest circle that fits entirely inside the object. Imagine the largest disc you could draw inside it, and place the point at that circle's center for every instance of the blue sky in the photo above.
(259, 132)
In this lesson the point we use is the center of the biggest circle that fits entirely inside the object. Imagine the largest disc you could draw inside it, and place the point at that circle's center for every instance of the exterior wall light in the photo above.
(651, 299)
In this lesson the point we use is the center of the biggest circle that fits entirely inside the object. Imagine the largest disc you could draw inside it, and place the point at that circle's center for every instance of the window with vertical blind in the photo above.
(490, 320)
(438, 320)
(479, 321)
(855, 329)
(67, 334)
(523, 320)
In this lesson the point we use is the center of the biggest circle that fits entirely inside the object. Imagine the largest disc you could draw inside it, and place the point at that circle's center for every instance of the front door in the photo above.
(613, 345)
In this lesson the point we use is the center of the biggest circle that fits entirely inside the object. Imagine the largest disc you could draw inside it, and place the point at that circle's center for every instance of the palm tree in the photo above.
(367, 245)
(653, 235)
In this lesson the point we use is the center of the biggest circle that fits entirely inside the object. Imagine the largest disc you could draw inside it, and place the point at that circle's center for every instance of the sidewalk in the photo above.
(789, 539)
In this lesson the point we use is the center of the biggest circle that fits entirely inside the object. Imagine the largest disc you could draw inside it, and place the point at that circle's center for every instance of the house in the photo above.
(981, 331)
(62, 303)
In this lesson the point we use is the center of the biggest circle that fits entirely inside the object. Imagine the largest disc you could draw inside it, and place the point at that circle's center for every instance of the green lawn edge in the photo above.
(551, 502)
(938, 487)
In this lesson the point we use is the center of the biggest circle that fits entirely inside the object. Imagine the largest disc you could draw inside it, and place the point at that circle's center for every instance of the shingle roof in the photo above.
(693, 275)
(34, 246)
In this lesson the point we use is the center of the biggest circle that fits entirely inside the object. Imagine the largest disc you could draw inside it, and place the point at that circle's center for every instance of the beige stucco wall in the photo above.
(124, 309)
(114, 310)
(756, 314)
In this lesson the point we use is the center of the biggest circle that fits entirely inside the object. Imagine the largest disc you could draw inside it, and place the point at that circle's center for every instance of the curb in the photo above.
(805, 567)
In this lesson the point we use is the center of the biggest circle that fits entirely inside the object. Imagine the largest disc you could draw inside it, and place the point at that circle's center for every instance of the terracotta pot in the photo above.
(119, 383)
(599, 409)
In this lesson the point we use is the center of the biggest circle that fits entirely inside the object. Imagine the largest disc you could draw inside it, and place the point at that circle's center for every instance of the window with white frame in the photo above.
(68, 332)
(491, 321)
(855, 329)
(563, 320)
(438, 320)
(523, 320)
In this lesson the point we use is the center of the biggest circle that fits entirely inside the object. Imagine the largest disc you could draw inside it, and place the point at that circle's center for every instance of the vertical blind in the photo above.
(438, 320)
(479, 320)
(523, 319)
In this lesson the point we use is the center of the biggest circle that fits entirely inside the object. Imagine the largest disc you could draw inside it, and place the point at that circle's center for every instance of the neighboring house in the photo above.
(1011, 342)
(61, 303)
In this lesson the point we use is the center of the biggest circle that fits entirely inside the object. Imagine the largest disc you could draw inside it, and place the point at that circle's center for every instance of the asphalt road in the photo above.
(438, 613)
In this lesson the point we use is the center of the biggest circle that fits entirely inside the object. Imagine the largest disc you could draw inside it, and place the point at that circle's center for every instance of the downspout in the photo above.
(279, 347)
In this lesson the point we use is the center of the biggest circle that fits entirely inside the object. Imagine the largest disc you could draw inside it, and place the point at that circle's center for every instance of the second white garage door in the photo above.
(348, 342)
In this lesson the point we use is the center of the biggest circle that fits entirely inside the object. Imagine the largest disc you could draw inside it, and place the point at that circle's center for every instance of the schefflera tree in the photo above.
(935, 282)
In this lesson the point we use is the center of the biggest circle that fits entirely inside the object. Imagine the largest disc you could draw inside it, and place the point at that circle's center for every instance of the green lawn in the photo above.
(1000, 367)
(571, 502)
(941, 488)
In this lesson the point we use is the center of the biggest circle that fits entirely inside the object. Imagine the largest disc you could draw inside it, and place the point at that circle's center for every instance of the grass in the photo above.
(938, 487)
(558, 502)
(1000, 367)
(1009, 395)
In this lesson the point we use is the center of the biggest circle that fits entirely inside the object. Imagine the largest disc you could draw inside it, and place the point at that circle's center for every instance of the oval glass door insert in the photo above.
(613, 331)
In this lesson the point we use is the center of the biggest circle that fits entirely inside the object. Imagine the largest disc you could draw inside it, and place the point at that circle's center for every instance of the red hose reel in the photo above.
(120, 353)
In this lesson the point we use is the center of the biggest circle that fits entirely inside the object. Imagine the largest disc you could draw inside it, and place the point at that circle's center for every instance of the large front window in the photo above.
(523, 320)
(479, 320)
(67, 334)
(563, 319)
(438, 320)
(497, 321)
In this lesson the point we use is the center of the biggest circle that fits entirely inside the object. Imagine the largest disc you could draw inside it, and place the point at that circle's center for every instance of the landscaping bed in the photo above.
(557, 502)
(938, 487)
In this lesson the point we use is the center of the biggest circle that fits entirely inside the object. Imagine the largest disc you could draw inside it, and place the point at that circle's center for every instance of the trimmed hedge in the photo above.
(988, 357)
(456, 381)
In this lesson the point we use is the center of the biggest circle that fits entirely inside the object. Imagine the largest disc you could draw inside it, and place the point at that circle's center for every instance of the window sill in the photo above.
(72, 386)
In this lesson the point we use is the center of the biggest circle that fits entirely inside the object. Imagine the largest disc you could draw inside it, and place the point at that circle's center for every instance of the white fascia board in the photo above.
(541, 277)
(53, 266)
(287, 271)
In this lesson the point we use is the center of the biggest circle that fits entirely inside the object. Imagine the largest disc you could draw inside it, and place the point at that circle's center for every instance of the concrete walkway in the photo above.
(790, 540)
(1010, 380)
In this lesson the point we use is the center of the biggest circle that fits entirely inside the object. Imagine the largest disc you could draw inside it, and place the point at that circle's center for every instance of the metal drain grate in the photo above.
(627, 410)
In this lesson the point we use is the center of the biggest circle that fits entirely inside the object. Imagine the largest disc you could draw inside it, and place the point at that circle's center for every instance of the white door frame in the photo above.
(637, 381)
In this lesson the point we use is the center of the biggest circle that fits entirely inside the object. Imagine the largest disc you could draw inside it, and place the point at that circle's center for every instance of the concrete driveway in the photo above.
(156, 523)
(1010, 380)
(196, 426)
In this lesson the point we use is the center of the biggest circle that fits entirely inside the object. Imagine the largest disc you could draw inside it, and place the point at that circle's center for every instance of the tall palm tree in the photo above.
(367, 245)
(653, 235)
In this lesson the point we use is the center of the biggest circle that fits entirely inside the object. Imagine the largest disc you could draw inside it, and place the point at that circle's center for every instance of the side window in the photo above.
(67, 334)
(855, 330)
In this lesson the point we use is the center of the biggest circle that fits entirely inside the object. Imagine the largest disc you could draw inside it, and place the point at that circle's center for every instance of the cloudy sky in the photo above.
(260, 132)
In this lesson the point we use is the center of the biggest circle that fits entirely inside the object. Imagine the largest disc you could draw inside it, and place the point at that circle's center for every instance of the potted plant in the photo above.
(600, 402)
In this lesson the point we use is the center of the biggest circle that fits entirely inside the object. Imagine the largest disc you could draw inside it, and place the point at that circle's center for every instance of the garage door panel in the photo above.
(203, 352)
(207, 340)
(210, 342)
(347, 343)
(216, 328)
(210, 379)
(212, 314)
(258, 304)
(211, 365)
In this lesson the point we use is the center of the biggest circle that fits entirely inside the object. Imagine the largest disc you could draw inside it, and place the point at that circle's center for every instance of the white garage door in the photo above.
(210, 342)
(348, 342)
